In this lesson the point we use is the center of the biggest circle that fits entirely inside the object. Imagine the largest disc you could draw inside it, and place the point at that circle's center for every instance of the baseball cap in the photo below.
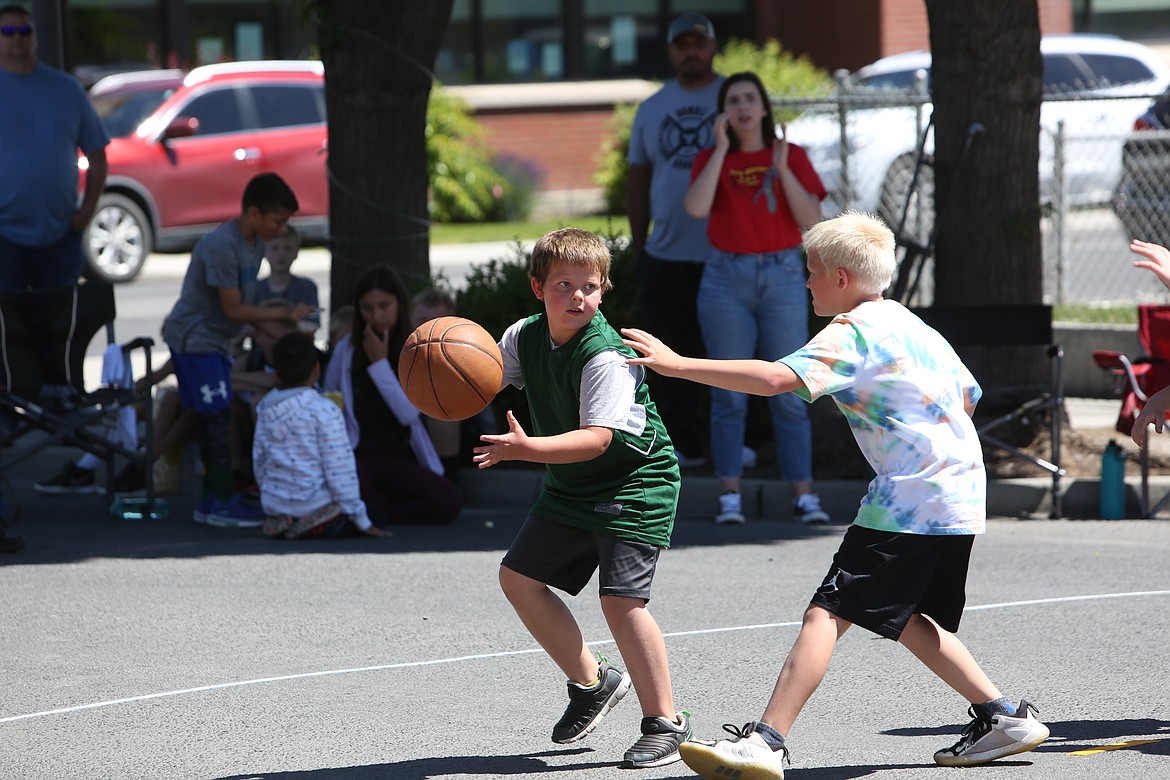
(690, 22)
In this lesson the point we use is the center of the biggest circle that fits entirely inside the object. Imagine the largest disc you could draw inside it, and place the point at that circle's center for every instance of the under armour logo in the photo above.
(209, 394)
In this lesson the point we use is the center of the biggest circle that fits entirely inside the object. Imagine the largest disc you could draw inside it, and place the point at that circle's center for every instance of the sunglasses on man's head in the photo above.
(24, 29)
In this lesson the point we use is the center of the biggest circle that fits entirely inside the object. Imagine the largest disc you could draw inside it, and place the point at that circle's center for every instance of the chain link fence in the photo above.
(1101, 183)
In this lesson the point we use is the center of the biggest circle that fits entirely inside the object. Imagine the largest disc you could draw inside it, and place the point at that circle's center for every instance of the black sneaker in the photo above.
(71, 480)
(659, 742)
(587, 706)
(10, 544)
(130, 479)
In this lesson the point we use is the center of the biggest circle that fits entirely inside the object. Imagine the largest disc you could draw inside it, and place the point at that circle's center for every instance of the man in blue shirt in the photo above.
(47, 117)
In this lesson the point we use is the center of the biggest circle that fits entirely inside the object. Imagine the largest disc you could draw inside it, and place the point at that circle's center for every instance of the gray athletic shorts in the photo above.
(564, 557)
(879, 579)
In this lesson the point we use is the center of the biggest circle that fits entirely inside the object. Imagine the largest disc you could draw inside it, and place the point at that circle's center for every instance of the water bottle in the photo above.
(1112, 496)
(138, 508)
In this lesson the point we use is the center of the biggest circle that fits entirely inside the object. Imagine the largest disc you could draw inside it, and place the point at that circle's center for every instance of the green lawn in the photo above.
(619, 225)
(510, 231)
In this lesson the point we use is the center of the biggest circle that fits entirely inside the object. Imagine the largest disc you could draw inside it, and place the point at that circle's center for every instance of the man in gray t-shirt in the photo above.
(670, 128)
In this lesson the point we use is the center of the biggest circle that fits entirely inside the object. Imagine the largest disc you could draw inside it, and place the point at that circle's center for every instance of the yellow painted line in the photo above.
(1114, 746)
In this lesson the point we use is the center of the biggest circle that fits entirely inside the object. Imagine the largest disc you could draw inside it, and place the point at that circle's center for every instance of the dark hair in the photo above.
(768, 126)
(293, 358)
(268, 192)
(13, 8)
(386, 279)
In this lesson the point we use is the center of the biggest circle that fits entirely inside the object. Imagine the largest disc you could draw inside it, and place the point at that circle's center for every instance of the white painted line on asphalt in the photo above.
(511, 653)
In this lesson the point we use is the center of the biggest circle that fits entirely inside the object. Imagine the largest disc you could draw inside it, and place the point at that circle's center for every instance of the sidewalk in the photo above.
(512, 489)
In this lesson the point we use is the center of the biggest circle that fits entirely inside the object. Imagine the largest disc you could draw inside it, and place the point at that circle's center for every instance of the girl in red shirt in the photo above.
(760, 192)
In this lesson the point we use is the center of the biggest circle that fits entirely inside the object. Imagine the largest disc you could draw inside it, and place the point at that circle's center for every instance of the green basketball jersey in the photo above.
(631, 490)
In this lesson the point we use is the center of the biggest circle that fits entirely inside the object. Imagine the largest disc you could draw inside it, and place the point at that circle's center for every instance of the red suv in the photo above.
(183, 147)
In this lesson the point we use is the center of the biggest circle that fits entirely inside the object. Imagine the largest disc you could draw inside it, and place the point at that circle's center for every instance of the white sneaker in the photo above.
(730, 509)
(807, 509)
(744, 757)
(989, 737)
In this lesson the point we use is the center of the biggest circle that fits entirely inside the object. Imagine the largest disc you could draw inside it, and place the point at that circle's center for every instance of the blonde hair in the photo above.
(572, 247)
(858, 243)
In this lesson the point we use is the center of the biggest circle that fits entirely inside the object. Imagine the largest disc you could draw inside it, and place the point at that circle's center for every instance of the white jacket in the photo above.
(337, 378)
(302, 457)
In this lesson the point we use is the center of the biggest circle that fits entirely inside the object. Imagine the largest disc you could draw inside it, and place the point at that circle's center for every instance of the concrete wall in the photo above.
(1082, 377)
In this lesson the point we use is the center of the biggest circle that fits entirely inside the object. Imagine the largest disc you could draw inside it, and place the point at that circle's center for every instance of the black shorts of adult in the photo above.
(879, 579)
(564, 557)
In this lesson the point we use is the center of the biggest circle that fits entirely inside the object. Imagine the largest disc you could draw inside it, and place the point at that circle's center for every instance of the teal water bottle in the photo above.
(1112, 497)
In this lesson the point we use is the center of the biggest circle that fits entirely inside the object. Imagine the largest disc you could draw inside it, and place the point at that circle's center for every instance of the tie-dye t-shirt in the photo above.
(904, 392)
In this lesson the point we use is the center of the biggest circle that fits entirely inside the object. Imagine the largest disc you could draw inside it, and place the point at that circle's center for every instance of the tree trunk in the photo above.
(986, 87)
(378, 59)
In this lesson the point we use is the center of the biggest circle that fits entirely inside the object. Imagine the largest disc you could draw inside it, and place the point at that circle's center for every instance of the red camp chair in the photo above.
(1139, 378)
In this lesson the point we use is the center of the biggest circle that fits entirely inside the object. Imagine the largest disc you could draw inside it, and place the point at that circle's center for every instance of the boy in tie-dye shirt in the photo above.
(901, 569)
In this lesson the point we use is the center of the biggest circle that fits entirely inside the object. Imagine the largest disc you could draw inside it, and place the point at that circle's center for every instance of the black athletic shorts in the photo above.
(879, 579)
(564, 557)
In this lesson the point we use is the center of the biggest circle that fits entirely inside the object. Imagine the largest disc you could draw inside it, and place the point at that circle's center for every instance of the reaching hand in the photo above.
(653, 352)
(504, 446)
(1157, 259)
(298, 311)
(376, 346)
(1153, 413)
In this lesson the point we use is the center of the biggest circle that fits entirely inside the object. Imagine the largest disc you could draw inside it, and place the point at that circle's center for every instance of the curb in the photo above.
(764, 499)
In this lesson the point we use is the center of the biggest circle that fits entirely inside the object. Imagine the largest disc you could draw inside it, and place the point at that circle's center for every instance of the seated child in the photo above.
(301, 454)
(280, 252)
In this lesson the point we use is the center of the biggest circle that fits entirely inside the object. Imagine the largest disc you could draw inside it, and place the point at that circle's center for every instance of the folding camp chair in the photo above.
(1014, 325)
(1138, 378)
(66, 320)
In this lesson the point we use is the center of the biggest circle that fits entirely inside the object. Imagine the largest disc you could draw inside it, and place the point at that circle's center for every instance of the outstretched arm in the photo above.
(570, 447)
(1157, 259)
(758, 377)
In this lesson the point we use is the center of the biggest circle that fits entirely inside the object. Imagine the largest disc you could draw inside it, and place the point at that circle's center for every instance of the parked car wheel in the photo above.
(917, 205)
(117, 240)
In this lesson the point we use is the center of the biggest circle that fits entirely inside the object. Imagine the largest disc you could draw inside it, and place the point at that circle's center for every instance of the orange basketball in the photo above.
(450, 368)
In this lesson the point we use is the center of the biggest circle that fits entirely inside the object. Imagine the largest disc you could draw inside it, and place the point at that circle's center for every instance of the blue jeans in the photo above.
(756, 306)
(58, 264)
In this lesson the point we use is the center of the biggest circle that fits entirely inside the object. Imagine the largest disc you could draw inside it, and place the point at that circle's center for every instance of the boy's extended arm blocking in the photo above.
(758, 377)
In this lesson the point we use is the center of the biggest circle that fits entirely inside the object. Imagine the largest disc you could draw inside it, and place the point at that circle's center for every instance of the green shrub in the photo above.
(781, 72)
(614, 171)
(469, 182)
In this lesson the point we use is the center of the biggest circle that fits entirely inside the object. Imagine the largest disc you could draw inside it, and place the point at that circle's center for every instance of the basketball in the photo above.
(450, 368)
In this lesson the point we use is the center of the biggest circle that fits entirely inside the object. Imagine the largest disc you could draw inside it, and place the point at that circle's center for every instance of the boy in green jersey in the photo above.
(610, 493)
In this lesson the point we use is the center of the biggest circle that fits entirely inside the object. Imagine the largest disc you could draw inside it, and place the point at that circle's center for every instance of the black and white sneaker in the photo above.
(659, 742)
(988, 737)
(71, 480)
(587, 706)
(807, 509)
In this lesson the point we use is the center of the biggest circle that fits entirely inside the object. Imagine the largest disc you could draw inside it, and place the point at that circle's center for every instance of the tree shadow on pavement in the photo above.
(446, 766)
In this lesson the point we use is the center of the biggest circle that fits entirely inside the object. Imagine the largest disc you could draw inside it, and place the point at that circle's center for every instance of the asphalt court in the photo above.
(171, 650)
